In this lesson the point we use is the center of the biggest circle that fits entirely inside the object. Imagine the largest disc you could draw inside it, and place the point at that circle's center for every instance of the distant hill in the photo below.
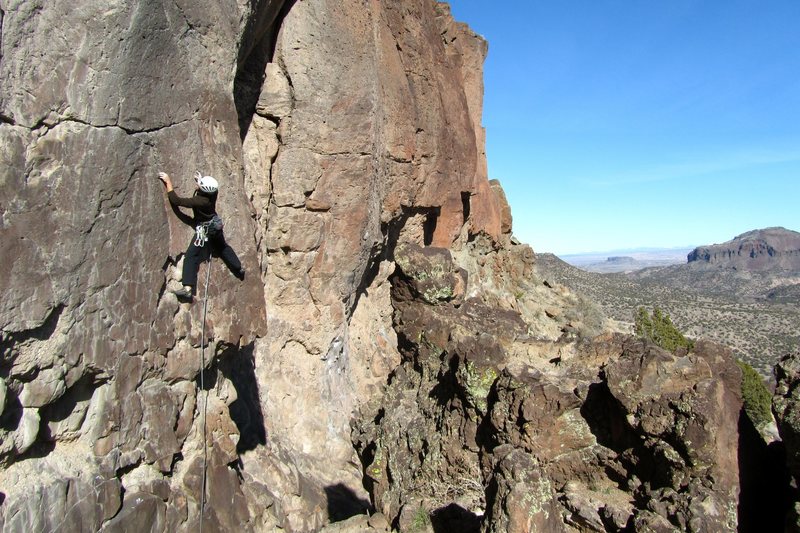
(740, 302)
(758, 264)
(764, 249)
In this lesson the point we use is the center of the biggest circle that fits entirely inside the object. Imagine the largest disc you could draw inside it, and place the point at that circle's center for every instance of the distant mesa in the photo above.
(633, 259)
(762, 249)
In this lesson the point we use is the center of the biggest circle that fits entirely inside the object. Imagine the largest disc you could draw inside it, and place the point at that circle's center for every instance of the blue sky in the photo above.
(659, 123)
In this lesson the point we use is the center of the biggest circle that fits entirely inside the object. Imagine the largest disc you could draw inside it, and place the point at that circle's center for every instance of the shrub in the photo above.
(755, 396)
(421, 520)
(660, 329)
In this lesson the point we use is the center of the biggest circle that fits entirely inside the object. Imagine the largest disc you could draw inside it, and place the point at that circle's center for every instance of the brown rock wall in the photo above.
(380, 131)
(99, 360)
(336, 130)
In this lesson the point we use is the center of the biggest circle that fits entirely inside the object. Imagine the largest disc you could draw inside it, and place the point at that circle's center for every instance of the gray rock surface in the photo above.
(329, 125)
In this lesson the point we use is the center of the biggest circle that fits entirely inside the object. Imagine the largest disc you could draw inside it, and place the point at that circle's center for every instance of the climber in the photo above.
(208, 238)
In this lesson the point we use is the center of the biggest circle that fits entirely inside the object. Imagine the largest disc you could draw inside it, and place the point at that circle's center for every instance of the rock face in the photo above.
(765, 249)
(390, 348)
(336, 129)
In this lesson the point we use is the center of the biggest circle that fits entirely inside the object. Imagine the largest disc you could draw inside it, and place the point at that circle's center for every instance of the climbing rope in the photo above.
(202, 387)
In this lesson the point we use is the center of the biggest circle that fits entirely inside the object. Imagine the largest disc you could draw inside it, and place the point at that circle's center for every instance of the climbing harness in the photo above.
(206, 229)
(202, 387)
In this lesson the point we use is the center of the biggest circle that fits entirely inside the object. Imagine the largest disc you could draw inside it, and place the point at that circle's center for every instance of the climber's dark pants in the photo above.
(195, 255)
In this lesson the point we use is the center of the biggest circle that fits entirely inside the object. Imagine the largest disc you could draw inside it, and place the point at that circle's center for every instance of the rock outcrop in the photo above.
(764, 249)
(521, 433)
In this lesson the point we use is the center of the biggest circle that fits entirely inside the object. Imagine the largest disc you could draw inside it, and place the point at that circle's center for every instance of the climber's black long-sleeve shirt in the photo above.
(203, 205)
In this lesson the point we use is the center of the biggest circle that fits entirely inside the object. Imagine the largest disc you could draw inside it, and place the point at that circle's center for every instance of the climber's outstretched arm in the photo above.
(183, 217)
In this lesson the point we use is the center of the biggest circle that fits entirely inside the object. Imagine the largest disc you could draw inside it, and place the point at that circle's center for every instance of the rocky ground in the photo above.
(714, 306)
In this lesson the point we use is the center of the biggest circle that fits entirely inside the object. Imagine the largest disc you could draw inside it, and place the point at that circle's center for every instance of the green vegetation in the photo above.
(479, 383)
(720, 306)
(659, 328)
(755, 395)
(421, 520)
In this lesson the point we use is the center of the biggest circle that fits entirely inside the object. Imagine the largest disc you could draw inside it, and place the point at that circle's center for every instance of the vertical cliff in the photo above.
(336, 130)
(102, 419)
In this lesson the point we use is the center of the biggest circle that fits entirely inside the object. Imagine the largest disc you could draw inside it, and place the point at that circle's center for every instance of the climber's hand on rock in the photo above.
(197, 176)
(164, 177)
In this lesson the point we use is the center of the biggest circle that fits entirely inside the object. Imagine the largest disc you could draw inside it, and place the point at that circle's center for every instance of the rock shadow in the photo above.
(239, 367)
(606, 419)
(366, 456)
(343, 503)
(391, 230)
(10, 342)
(12, 414)
(446, 388)
(453, 517)
(257, 49)
(384, 250)
(72, 401)
(764, 481)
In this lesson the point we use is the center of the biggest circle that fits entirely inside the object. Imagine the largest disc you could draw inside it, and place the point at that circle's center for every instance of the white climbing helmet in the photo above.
(206, 183)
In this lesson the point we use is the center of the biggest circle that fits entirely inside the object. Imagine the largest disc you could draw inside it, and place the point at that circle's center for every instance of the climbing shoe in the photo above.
(240, 274)
(184, 293)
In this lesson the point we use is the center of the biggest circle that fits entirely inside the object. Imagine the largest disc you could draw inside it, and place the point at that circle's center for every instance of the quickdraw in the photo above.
(213, 226)
(201, 237)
